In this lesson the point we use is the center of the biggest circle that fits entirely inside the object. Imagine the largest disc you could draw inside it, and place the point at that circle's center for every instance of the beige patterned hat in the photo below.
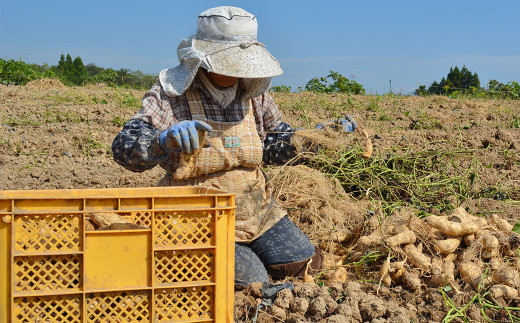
(225, 43)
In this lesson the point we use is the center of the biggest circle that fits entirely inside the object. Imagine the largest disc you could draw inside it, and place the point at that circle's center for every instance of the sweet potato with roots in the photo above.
(495, 263)
(417, 258)
(506, 276)
(501, 224)
(471, 273)
(447, 246)
(498, 291)
(371, 239)
(412, 281)
(443, 272)
(489, 246)
(397, 270)
(340, 275)
(450, 228)
(405, 237)
(461, 215)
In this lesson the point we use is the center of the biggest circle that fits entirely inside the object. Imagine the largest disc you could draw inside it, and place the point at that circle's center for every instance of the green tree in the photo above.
(61, 64)
(334, 83)
(457, 80)
(93, 70)
(78, 74)
(107, 76)
(68, 64)
(421, 90)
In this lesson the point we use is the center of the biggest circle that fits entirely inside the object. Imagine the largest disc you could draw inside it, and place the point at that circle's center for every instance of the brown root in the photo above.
(383, 272)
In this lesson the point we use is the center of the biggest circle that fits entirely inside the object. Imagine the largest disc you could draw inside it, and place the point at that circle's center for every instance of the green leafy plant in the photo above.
(17, 72)
(334, 83)
(118, 121)
(515, 123)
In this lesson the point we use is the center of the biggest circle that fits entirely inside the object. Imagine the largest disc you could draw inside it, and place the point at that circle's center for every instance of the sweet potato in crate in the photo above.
(177, 264)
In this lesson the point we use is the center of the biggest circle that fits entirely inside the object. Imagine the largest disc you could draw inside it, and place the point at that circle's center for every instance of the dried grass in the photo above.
(46, 84)
(317, 203)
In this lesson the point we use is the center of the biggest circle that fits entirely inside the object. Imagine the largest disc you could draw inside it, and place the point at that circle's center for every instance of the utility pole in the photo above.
(390, 86)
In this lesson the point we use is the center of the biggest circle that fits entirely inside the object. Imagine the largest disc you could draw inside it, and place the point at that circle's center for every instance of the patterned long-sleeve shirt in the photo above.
(137, 146)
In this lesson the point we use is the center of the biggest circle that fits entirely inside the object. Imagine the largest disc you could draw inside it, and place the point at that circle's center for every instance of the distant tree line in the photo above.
(463, 81)
(72, 72)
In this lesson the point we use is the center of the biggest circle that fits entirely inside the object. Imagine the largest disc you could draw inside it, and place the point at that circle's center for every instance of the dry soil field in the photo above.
(431, 156)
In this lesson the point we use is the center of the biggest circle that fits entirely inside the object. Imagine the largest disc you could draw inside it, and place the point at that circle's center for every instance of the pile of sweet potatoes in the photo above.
(460, 250)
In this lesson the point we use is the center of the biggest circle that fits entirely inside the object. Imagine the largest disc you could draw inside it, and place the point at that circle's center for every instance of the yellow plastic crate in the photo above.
(181, 269)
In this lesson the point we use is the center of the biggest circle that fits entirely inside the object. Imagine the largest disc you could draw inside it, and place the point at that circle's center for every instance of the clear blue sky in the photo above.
(408, 42)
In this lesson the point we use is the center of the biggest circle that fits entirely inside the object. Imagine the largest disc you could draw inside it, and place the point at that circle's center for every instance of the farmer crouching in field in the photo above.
(219, 93)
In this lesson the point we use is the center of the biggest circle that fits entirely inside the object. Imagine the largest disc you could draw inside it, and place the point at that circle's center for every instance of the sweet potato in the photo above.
(306, 277)
(338, 276)
(448, 267)
(412, 281)
(419, 259)
(471, 273)
(461, 215)
(506, 276)
(440, 280)
(448, 245)
(436, 266)
(489, 246)
(405, 237)
(495, 263)
(489, 242)
(105, 219)
(468, 239)
(376, 236)
(500, 223)
(498, 291)
(489, 254)
(397, 270)
(338, 237)
(371, 239)
(451, 228)
(442, 272)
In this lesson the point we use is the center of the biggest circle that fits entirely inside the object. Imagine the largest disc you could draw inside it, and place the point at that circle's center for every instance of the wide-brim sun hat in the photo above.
(225, 43)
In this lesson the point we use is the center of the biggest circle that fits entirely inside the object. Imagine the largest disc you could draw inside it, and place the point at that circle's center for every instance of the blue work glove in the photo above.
(346, 124)
(183, 135)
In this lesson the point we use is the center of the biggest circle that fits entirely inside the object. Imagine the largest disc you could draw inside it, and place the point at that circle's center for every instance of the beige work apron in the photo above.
(231, 163)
